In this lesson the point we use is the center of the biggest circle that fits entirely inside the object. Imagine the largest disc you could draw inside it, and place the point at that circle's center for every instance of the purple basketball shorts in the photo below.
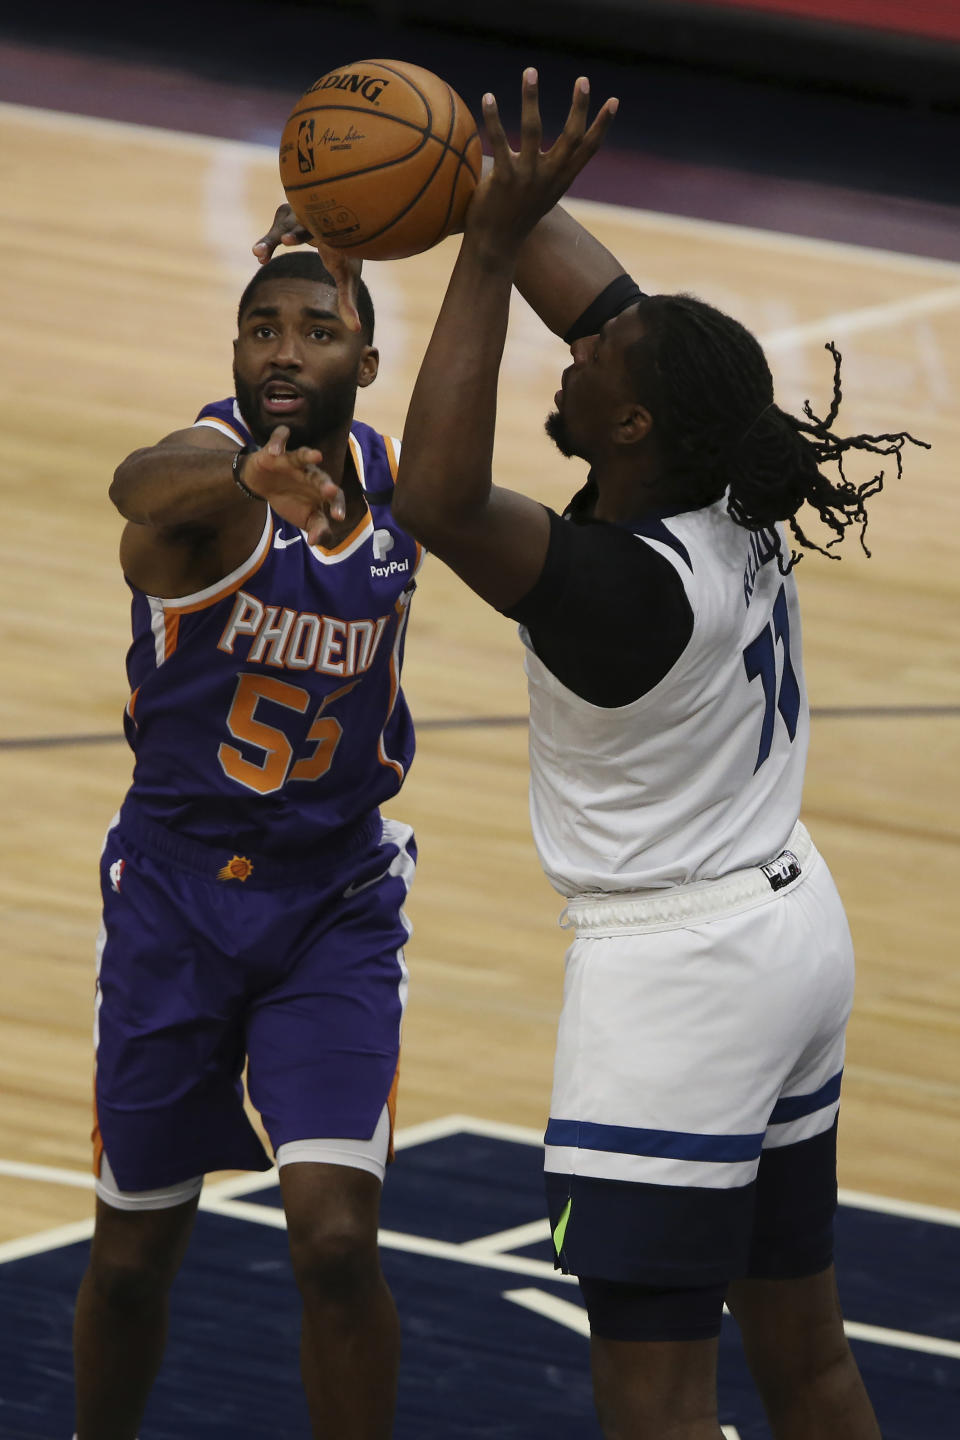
(209, 961)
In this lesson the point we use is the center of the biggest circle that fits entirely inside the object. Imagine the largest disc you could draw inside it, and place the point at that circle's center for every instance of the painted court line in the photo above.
(409, 1244)
(518, 1238)
(487, 1252)
(845, 323)
(480, 722)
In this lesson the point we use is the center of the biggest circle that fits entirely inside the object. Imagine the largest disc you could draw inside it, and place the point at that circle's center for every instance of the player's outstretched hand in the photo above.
(287, 230)
(295, 485)
(523, 185)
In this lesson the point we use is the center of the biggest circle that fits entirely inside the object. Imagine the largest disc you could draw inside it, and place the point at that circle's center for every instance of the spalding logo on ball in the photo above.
(380, 159)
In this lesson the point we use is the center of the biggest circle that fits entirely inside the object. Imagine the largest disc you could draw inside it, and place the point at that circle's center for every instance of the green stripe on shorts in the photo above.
(561, 1230)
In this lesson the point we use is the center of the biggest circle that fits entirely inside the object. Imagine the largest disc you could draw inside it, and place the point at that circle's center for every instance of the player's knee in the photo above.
(822, 1368)
(129, 1283)
(334, 1262)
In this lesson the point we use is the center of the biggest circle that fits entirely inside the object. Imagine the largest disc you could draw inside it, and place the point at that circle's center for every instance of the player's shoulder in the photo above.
(225, 416)
(376, 457)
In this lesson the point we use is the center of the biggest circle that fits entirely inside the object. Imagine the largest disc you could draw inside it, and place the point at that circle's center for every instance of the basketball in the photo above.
(380, 159)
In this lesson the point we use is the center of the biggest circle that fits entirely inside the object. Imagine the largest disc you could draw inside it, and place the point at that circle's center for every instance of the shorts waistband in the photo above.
(252, 869)
(634, 913)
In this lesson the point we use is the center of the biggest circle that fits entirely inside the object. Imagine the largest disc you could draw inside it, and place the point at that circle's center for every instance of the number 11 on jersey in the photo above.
(760, 660)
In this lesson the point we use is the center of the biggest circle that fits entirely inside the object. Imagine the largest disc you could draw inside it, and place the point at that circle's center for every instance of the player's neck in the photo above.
(627, 491)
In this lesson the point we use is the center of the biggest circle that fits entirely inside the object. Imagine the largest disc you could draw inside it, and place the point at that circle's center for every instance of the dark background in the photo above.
(712, 84)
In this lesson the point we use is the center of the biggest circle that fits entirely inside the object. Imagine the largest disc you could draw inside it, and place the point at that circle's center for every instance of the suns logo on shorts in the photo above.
(239, 868)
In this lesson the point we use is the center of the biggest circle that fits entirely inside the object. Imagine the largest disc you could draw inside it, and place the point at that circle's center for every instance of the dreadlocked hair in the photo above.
(720, 433)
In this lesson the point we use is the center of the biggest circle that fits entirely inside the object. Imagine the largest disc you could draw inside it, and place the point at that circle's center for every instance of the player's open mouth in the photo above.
(280, 398)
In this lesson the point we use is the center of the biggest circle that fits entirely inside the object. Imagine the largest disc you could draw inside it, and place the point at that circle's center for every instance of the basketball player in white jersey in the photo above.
(691, 1146)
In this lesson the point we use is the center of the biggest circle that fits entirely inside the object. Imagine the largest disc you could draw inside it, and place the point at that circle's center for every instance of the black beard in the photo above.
(556, 428)
(328, 410)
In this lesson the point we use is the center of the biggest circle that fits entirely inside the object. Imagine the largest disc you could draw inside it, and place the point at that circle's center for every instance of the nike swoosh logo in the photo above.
(354, 889)
(279, 543)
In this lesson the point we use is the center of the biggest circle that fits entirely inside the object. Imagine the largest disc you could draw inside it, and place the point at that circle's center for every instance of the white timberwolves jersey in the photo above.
(702, 775)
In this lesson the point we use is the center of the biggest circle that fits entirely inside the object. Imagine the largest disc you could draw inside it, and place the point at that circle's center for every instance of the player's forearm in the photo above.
(445, 463)
(174, 485)
(562, 268)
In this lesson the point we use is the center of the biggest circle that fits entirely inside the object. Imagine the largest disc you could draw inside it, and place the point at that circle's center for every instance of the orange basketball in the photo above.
(380, 159)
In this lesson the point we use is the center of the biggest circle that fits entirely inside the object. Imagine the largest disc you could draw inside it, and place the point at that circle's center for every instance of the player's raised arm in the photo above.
(567, 275)
(495, 539)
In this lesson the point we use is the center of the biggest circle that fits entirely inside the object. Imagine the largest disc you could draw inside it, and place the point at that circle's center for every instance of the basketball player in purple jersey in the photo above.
(691, 1147)
(252, 893)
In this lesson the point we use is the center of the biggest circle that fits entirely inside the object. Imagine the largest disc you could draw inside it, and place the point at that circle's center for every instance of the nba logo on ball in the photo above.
(380, 159)
(305, 147)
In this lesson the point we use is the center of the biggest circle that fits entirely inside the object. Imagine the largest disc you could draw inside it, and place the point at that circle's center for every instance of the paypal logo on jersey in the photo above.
(383, 543)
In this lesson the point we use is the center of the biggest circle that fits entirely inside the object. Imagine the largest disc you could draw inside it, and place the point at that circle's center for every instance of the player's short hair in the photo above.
(306, 265)
(719, 432)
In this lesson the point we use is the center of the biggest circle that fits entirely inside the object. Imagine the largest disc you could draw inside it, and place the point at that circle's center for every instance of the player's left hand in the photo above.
(523, 185)
(287, 230)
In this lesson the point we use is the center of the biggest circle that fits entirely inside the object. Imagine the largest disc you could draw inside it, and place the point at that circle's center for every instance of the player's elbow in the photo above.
(124, 488)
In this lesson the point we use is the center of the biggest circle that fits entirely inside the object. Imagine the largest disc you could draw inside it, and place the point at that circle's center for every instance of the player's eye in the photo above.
(263, 332)
(319, 333)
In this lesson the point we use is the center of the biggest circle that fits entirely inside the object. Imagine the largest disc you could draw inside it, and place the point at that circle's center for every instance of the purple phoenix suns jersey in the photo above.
(266, 711)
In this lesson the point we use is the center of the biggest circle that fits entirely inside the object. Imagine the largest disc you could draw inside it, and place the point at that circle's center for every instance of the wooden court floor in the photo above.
(123, 254)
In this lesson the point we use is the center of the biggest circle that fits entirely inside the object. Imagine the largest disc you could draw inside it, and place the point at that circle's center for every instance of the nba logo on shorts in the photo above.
(116, 874)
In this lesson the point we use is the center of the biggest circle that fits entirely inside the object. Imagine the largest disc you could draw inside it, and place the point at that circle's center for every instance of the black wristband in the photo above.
(240, 455)
(617, 296)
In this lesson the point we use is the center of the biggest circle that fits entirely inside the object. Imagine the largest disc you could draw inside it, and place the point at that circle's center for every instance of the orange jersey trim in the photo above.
(97, 1138)
(402, 608)
(393, 460)
(392, 1111)
(172, 611)
(351, 539)
(213, 422)
(171, 629)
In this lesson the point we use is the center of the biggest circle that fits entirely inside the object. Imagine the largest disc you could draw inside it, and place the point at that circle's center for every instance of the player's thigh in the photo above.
(796, 1188)
(169, 1027)
(324, 1039)
(651, 1388)
(790, 1326)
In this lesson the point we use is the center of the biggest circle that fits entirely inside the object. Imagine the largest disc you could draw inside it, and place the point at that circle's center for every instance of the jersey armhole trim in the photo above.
(212, 422)
(202, 599)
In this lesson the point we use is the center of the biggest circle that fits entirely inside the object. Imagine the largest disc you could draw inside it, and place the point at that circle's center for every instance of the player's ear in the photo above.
(368, 367)
(634, 424)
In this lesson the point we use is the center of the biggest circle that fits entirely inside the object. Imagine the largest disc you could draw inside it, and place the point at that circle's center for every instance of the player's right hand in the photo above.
(295, 486)
(523, 185)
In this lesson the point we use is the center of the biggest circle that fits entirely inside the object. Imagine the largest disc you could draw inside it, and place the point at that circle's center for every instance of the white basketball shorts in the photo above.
(692, 1131)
